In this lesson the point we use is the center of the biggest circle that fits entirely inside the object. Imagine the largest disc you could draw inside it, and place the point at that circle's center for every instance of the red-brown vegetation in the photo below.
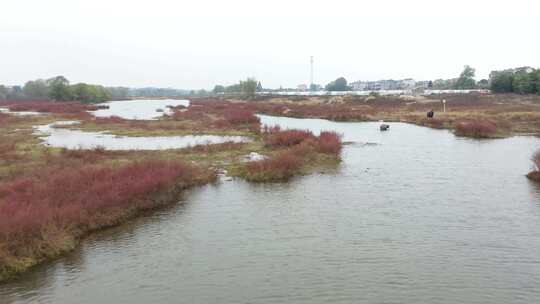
(329, 143)
(436, 123)
(48, 106)
(213, 148)
(215, 113)
(241, 117)
(535, 173)
(7, 119)
(3, 118)
(109, 120)
(43, 214)
(87, 156)
(299, 147)
(8, 148)
(476, 128)
(280, 167)
(276, 138)
(335, 112)
(191, 114)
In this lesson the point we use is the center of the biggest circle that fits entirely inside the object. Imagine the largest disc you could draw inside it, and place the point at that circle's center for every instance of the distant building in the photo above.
(444, 84)
(389, 84)
(359, 85)
(408, 83)
(424, 84)
(302, 87)
(315, 87)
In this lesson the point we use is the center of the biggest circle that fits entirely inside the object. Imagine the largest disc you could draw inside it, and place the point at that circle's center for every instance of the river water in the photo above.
(78, 139)
(412, 215)
(147, 109)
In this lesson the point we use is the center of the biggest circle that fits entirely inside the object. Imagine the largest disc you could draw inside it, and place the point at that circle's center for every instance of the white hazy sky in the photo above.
(197, 44)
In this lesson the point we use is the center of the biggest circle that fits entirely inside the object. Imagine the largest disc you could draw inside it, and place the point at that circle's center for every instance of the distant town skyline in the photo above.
(198, 45)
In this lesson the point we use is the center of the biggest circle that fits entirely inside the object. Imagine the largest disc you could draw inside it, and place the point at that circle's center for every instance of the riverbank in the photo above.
(51, 197)
(471, 115)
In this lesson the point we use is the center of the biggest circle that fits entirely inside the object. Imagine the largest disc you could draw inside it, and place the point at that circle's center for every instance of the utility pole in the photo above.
(311, 74)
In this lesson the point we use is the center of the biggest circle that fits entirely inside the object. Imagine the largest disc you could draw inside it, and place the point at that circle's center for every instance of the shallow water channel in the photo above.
(417, 216)
(139, 109)
(133, 110)
(77, 139)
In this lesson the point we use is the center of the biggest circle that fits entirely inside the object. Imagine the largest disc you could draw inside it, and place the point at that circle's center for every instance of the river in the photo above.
(412, 215)
(146, 109)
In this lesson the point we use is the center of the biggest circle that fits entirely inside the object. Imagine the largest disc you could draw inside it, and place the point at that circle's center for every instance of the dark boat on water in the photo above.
(384, 127)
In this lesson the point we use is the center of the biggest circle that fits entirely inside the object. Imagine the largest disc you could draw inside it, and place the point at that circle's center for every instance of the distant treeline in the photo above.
(523, 80)
(58, 88)
(246, 87)
(520, 80)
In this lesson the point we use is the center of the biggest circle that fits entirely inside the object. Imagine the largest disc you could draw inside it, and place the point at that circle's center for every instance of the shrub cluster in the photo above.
(279, 167)
(298, 147)
(329, 143)
(475, 128)
(435, 123)
(240, 117)
(535, 173)
(276, 138)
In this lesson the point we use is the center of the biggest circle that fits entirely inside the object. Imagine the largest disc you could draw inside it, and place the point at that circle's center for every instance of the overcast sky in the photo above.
(200, 43)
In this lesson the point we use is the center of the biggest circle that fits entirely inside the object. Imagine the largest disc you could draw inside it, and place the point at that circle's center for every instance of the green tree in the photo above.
(218, 89)
(59, 88)
(3, 92)
(339, 84)
(483, 84)
(248, 87)
(36, 89)
(535, 80)
(466, 79)
(118, 93)
(89, 93)
(83, 92)
(235, 88)
(501, 82)
(523, 83)
(15, 92)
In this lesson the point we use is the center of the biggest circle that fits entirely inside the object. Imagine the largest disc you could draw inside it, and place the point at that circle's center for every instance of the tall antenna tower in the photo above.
(311, 73)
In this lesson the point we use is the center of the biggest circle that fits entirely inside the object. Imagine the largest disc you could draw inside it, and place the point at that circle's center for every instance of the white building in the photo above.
(389, 84)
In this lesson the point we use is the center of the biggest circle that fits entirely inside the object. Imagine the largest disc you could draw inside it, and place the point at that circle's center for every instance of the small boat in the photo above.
(384, 127)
